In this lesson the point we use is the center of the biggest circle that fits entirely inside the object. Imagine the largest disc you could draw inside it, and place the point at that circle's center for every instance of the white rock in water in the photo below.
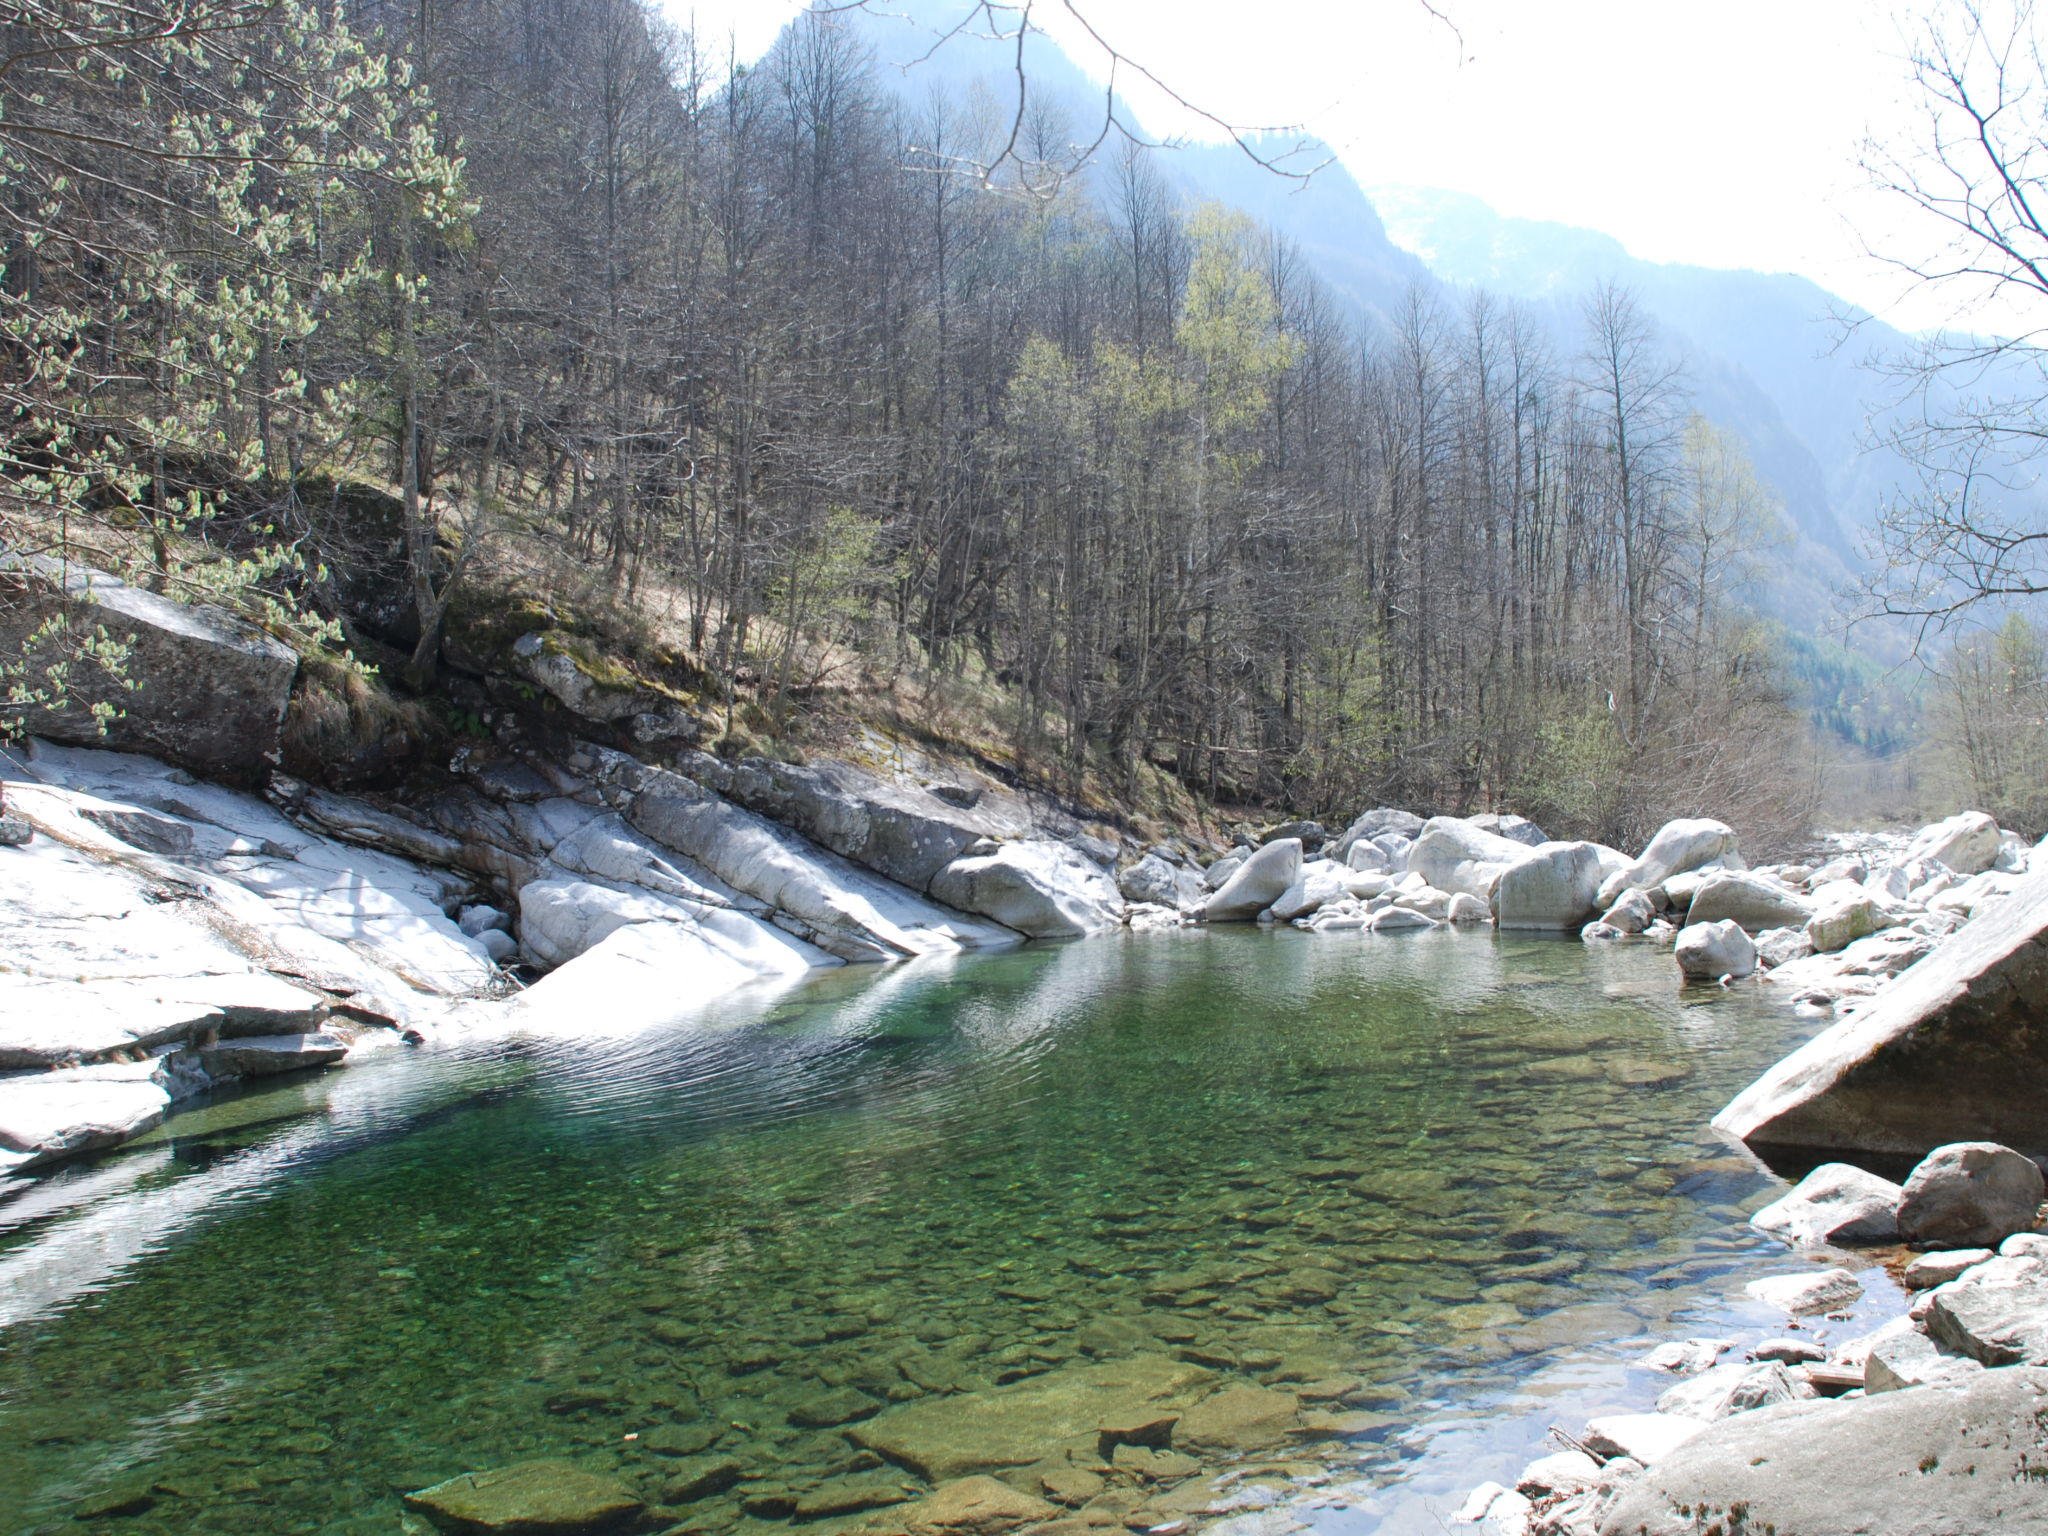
(1041, 888)
(1686, 1357)
(1317, 884)
(1557, 886)
(1836, 1203)
(1802, 1295)
(1642, 1437)
(1842, 914)
(1755, 901)
(1256, 883)
(1465, 908)
(1453, 855)
(1966, 843)
(1398, 919)
(1631, 912)
(1678, 846)
(1709, 951)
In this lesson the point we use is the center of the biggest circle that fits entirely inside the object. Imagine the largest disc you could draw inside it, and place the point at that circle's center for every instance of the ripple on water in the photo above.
(1376, 1177)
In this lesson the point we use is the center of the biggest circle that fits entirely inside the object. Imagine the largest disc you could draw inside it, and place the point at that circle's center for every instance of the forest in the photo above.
(794, 381)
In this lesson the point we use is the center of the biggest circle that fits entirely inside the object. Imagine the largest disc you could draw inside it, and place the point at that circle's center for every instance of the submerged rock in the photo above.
(976, 1432)
(1804, 1294)
(533, 1498)
(973, 1506)
(1944, 1461)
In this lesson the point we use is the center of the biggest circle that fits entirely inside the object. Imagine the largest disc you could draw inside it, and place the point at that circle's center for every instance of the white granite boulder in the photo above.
(1836, 1203)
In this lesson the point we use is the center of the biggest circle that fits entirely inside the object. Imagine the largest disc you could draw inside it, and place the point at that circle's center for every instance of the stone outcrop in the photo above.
(213, 688)
(1939, 1461)
(1954, 1049)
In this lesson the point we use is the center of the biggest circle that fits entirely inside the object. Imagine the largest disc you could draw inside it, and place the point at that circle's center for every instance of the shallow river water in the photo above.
(1438, 1182)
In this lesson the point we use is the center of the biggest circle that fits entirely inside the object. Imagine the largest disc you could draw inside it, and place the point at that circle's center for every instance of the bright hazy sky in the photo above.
(1725, 134)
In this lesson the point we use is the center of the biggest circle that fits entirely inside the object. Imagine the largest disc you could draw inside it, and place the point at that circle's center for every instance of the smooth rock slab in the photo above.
(1805, 1294)
(969, 1433)
(1836, 1203)
(532, 1498)
(266, 1055)
(1941, 1461)
(1955, 1049)
(1997, 1312)
(1643, 1437)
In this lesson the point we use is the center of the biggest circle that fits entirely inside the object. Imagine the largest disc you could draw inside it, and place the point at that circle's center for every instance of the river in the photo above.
(1448, 1184)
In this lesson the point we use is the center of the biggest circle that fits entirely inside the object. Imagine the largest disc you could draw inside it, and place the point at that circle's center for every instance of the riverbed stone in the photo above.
(1955, 1049)
(1970, 1194)
(532, 1498)
(1735, 1388)
(1836, 1203)
(699, 1477)
(1910, 1358)
(1238, 1419)
(1940, 1461)
(1453, 855)
(1842, 914)
(1943, 1265)
(1686, 1357)
(974, 1432)
(976, 1506)
(267, 1055)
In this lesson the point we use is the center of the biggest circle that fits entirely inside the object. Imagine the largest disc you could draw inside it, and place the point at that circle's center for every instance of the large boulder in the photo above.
(212, 689)
(1967, 843)
(1556, 886)
(1755, 901)
(1317, 885)
(1155, 882)
(1678, 846)
(1255, 884)
(1954, 1049)
(1043, 889)
(1452, 855)
(1836, 1203)
(1971, 1194)
(1709, 951)
(1516, 829)
(1374, 824)
(1938, 1461)
(1842, 914)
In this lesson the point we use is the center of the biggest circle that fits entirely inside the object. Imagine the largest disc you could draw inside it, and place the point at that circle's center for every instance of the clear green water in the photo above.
(922, 1180)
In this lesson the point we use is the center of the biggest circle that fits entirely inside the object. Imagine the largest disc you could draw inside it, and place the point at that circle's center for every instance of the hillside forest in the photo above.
(396, 324)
